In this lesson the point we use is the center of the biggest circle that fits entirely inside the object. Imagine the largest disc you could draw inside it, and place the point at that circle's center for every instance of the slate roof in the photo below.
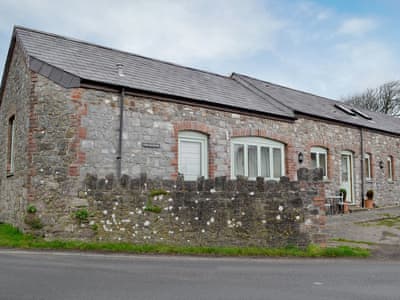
(99, 64)
(320, 107)
(69, 62)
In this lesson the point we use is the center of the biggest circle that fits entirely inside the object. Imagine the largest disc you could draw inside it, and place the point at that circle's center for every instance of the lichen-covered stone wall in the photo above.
(15, 101)
(206, 212)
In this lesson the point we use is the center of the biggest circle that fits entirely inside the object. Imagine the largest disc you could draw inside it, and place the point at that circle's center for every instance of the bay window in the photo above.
(253, 157)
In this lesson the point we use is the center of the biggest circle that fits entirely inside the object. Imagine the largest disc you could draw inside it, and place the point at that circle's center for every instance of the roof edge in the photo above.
(57, 75)
(16, 27)
(7, 64)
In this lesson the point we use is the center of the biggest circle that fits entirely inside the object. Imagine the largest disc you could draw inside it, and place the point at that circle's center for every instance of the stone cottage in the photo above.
(69, 108)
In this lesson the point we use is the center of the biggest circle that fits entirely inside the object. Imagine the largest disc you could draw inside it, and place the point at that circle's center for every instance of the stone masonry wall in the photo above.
(207, 212)
(147, 120)
(75, 132)
(13, 189)
(336, 139)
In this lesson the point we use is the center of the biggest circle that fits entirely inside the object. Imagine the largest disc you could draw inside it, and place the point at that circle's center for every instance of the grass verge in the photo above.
(11, 237)
(353, 241)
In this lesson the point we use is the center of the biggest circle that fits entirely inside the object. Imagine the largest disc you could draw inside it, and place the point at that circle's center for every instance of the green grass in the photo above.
(353, 241)
(387, 221)
(11, 237)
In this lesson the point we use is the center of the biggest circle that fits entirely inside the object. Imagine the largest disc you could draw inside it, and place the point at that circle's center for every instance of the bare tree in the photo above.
(384, 99)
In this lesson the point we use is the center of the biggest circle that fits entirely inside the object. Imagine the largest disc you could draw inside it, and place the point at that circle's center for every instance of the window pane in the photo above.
(367, 168)
(190, 160)
(11, 137)
(252, 157)
(389, 167)
(345, 171)
(265, 163)
(238, 159)
(322, 162)
(313, 160)
(277, 162)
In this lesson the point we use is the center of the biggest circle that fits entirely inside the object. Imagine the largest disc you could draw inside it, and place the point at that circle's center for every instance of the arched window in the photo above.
(254, 156)
(192, 155)
(319, 159)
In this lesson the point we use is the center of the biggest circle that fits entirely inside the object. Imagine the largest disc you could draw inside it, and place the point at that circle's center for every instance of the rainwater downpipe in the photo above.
(362, 165)
(121, 130)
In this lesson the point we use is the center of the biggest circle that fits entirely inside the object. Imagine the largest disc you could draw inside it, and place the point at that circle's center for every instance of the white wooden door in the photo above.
(346, 178)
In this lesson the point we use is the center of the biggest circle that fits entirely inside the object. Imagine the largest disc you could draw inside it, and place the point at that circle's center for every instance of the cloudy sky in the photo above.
(333, 48)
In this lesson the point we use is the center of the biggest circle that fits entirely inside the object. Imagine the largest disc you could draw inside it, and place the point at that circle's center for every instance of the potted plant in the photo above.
(344, 207)
(369, 202)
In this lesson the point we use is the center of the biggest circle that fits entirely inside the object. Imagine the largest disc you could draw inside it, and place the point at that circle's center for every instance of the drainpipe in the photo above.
(362, 166)
(121, 128)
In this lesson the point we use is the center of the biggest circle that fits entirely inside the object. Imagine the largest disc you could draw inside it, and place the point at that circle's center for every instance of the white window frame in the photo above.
(317, 151)
(259, 142)
(390, 168)
(368, 172)
(196, 137)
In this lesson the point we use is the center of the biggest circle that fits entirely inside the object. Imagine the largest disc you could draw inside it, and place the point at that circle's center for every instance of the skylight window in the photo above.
(364, 115)
(345, 109)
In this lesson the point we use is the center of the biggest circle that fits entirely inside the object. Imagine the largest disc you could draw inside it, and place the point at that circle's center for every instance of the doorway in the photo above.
(346, 175)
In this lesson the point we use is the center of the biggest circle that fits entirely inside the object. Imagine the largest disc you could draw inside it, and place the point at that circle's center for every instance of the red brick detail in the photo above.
(76, 94)
(73, 170)
(81, 109)
(31, 144)
(193, 126)
(82, 132)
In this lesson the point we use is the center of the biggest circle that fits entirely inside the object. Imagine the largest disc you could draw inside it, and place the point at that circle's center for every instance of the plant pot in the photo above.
(345, 208)
(369, 203)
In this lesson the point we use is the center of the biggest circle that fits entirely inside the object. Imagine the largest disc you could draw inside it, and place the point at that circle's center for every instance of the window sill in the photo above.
(390, 181)
(369, 180)
(9, 175)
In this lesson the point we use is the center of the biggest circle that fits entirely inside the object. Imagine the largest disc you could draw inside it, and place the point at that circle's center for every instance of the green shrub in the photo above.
(33, 221)
(344, 193)
(82, 214)
(370, 194)
(152, 208)
(157, 192)
(31, 209)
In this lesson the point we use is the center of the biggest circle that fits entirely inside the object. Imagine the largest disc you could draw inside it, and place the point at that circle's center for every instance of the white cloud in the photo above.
(298, 43)
(357, 26)
(180, 31)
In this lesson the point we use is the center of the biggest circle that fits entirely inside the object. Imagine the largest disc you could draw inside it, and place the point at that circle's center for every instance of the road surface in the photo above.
(49, 275)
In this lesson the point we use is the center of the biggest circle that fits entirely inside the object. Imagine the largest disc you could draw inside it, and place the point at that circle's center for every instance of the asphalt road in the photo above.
(45, 275)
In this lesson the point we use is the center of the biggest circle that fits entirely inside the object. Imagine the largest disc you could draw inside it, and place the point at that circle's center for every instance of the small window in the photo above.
(192, 155)
(10, 144)
(367, 166)
(319, 159)
(257, 157)
(390, 168)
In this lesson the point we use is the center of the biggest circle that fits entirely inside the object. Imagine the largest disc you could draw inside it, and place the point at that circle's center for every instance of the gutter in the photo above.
(362, 165)
(121, 128)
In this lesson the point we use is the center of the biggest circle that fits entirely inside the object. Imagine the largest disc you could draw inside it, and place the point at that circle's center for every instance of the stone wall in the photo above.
(15, 101)
(207, 212)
